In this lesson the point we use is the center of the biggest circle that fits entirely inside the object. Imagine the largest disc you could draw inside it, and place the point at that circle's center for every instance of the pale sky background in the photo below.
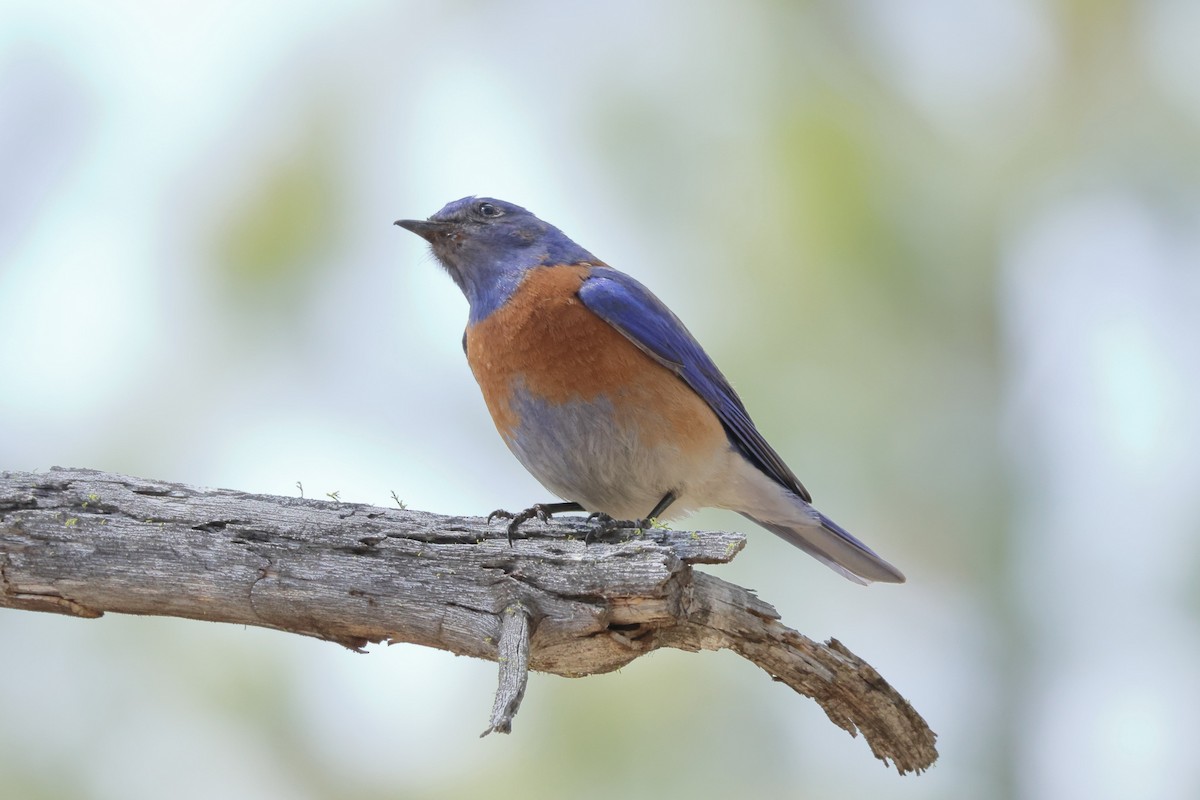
(949, 253)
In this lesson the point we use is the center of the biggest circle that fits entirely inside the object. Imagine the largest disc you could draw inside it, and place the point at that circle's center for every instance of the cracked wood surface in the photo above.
(82, 542)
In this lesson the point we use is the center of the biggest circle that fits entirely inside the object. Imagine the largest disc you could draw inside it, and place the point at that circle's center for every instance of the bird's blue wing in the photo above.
(643, 319)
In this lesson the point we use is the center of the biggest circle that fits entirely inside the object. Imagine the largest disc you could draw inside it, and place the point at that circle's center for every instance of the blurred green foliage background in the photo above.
(947, 252)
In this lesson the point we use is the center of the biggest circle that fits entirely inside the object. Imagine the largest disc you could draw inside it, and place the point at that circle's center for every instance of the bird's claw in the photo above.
(606, 525)
(517, 520)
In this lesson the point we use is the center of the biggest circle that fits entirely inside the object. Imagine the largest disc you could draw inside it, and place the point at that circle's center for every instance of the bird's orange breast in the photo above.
(545, 343)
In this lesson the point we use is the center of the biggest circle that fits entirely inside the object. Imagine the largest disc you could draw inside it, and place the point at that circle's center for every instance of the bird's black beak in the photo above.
(426, 229)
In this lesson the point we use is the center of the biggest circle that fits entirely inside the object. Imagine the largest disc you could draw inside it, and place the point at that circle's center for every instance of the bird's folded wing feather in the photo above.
(643, 319)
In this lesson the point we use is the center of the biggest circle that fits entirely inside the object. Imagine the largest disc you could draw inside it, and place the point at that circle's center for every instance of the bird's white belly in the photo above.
(581, 451)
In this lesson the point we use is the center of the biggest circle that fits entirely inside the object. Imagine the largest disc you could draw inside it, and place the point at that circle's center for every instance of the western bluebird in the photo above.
(603, 394)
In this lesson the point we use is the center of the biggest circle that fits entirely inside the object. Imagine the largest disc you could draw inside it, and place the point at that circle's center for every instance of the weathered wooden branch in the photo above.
(82, 542)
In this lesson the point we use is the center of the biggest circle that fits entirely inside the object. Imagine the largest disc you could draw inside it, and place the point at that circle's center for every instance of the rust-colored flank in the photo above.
(545, 338)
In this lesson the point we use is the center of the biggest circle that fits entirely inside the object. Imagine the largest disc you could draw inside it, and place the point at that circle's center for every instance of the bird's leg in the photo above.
(663, 504)
(606, 524)
(542, 511)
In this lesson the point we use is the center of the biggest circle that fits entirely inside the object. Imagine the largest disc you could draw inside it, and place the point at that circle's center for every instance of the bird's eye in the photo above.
(489, 210)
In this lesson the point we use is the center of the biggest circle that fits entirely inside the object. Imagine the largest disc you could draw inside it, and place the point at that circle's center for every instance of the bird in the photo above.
(603, 394)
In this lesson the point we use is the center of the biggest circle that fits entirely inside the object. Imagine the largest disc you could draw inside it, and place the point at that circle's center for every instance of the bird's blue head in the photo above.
(487, 244)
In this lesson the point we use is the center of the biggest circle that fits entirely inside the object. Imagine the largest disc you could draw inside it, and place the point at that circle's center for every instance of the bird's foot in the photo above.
(542, 511)
(606, 525)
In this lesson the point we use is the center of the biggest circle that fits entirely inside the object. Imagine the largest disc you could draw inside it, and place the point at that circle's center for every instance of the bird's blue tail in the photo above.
(833, 546)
